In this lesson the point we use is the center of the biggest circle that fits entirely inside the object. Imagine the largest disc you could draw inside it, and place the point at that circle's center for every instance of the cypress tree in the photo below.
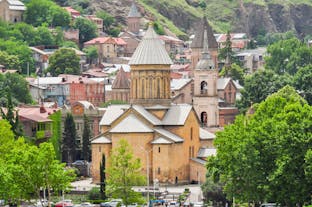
(102, 178)
(86, 136)
(69, 140)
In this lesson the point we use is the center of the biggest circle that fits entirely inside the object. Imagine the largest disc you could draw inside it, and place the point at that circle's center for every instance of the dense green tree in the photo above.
(124, 172)
(303, 82)
(70, 44)
(38, 166)
(86, 137)
(259, 85)
(159, 29)
(265, 155)
(44, 36)
(69, 140)
(92, 54)
(103, 177)
(12, 116)
(108, 20)
(288, 56)
(9, 61)
(21, 50)
(233, 71)
(87, 29)
(28, 31)
(17, 86)
(64, 61)
(41, 12)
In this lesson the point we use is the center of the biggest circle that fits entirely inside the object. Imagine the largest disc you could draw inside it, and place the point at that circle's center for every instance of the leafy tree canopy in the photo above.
(40, 12)
(259, 85)
(87, 29)
(287, 56)
(124, 172)
(64, 61)
(266, 156)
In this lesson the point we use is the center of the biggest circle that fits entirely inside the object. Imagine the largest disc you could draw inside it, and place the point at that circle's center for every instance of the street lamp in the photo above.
(147, 171)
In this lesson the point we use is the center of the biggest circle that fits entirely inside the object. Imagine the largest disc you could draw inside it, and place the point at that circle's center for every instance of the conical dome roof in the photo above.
(134, 11)
(205, 63)
(204, 27)
(121, 81)
(150, 51)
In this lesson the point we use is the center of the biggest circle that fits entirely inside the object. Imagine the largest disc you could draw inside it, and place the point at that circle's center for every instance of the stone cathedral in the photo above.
(166, 137)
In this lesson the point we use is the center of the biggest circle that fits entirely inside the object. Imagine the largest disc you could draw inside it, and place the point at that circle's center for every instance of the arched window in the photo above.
(203, 118)
(143, 89)
(203, 87)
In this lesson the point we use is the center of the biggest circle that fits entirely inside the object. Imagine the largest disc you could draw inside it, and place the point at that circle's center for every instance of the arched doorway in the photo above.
(203, 118)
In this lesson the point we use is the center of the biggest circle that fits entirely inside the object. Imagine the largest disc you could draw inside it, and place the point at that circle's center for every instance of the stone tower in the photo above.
(133, 19)
(205, 100)
(198, 44)
(150, 72)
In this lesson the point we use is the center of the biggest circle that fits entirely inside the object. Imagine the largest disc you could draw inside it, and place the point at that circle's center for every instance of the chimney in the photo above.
(42, 109)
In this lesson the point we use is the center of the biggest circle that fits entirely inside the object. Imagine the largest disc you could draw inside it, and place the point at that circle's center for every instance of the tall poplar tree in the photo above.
(103, 178)
(86, 136)
(69, 140)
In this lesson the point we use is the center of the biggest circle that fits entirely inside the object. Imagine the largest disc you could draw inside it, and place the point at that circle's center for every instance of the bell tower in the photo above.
(205, 100)
(133, 19)
(150, 72)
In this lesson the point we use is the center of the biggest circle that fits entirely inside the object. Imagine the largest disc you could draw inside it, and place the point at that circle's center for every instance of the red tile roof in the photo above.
(102, 40)
(174, 75)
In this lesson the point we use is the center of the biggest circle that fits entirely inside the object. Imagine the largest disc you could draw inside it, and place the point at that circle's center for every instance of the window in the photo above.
(159, 149)
(203, 87)
(158, 171)
(190, 152)
(191, 133)
(100, 149)
(203, 118)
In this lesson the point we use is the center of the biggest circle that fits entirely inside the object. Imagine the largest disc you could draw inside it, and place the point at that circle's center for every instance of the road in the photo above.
(195, 196)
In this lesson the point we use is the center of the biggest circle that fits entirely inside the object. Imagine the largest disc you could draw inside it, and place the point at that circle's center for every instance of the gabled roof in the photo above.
(101, 139)
(108, 40)
(205, 152)
(85, 104)
(177, 84)
(112, 113)
(150, 117)
(177, 114)
(205, 134)
(161, 140)
(169, 135)
(222, 83)
(150, 51)
(134, 11)
(131, 124)
(199, 36)
(16, 5)
(121, 81)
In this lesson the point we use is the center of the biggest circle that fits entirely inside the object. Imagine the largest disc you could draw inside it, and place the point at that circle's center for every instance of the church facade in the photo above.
(166, 137)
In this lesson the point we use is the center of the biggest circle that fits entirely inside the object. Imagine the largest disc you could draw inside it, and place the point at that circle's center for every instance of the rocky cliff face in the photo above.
(243, 17)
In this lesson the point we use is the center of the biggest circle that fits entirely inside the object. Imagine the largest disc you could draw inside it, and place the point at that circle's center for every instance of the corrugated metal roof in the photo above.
(134, 11)
(131, 124)
(206, 152)
(150, 117)
(150, 51)
(17, 8)
(48, 80)
(177, 114)
(167, 134)
(101, 140)
(205, 134)
(15, 2)
(112, 113)
(86, 104)
(161, 140)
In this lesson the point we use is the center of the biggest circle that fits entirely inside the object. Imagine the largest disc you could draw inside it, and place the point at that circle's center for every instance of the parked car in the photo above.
(269, 205)
(67, 203)
(106, 204)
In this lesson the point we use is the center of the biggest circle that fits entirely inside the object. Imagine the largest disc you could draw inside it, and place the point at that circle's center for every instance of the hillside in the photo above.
(250, 16)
